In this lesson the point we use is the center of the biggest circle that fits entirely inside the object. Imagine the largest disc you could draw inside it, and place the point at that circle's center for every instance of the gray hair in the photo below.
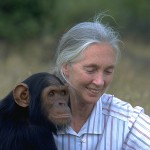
(78, 38)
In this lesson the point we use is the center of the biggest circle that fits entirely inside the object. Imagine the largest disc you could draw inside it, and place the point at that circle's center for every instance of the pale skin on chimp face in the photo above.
(55, 104)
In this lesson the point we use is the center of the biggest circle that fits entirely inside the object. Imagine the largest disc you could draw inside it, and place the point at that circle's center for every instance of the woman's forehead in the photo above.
(98, 52)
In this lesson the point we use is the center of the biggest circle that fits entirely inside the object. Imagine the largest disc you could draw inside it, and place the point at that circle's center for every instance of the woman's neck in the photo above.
(80, 113)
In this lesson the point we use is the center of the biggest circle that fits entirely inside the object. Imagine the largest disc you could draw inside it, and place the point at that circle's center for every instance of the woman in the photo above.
(87, 56)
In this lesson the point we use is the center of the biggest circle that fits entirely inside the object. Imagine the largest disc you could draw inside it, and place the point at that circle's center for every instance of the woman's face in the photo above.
(92, 74)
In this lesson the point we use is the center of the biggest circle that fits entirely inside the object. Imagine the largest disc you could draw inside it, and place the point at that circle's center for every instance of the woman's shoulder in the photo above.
(118, 108)
(109, 100)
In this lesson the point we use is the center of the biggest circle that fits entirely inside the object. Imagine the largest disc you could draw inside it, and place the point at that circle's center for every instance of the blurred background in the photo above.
(30, 31)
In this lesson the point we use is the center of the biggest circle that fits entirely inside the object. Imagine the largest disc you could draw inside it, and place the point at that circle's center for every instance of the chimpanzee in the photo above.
(32, 112)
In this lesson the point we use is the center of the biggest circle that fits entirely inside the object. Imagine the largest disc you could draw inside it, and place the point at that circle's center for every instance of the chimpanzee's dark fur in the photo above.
(27, 128)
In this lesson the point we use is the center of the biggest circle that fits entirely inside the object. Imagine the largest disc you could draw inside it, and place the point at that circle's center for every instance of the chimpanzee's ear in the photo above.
(21, 95)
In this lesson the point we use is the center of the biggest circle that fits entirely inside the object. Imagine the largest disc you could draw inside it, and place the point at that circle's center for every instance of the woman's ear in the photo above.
(65, 69)
(21, 95)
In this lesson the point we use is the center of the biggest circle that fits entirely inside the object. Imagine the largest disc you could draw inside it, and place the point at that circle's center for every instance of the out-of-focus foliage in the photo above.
(24, 19)
(29, 28)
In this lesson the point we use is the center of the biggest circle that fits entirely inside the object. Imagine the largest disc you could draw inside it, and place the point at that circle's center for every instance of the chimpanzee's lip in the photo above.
(61, 116)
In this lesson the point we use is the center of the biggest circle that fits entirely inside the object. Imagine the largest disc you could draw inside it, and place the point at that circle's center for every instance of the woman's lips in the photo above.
(94, 90)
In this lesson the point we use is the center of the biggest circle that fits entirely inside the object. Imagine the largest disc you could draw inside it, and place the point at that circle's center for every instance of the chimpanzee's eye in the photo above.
(51, 93)
(63, 92)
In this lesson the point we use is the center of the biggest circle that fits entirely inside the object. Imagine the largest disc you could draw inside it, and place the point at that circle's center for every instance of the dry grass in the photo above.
(131, 81)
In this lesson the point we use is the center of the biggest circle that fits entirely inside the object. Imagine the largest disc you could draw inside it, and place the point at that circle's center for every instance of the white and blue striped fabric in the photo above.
(112, 125)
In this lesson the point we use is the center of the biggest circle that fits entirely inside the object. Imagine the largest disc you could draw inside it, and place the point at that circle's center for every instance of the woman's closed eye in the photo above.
(90, 69)
(109, 71)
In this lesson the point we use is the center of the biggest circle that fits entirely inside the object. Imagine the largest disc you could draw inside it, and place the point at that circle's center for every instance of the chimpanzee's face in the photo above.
(55, 105)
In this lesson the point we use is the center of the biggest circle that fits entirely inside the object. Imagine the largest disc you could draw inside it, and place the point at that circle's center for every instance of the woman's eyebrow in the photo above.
(96, 66)
(111, 67)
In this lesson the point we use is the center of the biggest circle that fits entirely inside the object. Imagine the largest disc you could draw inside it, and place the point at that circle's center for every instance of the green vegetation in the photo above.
(30, 29)
(21, 20)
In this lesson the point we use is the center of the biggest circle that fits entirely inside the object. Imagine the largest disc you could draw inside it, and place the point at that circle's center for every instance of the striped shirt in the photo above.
(112, 125)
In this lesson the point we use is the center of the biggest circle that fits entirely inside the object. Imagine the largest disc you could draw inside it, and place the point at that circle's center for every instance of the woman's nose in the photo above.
(98, 79)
